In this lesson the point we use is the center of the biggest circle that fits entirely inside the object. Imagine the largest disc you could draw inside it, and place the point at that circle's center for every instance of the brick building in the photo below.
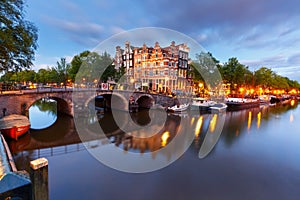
(157, 68)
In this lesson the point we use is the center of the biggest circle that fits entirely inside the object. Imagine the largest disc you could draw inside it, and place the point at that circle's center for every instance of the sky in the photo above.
(258, 33)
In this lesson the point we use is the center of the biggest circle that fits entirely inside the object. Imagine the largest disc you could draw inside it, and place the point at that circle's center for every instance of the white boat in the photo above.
(218, 107)
(199, 104)
(179, 108)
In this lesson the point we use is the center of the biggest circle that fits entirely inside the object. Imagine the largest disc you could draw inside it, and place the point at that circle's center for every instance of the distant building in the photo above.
(161, 69)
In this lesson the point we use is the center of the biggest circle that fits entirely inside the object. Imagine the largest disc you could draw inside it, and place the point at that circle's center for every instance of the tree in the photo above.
(264, 77)
(62, 68)
(205, 68)
(95, 67)
(235, 73)
(76, 64)
(18, 37)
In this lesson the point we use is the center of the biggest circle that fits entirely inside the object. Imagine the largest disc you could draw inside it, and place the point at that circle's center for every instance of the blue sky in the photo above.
(259, 33)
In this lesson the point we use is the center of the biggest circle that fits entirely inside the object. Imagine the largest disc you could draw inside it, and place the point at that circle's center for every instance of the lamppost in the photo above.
(200, 87)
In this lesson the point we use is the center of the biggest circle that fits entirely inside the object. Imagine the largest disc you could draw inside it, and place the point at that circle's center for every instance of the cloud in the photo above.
(116, 30)
(283, 65)
(86, 33)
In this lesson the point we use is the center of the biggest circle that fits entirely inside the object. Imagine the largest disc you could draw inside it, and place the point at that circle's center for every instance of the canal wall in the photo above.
(13, 183)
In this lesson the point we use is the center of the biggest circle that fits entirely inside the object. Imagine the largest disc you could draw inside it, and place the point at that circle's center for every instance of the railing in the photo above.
(61, 150)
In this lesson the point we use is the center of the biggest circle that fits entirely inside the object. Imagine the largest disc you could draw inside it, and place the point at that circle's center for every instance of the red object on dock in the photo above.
(14, 126)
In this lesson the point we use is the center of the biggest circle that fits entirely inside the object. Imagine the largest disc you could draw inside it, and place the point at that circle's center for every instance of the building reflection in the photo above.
(63, 133)
(137, 140)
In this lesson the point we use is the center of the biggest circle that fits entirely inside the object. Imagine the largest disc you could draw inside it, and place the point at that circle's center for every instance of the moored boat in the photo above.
(201, 104)
(280, 99)
(218, 107)
(179, 108)
(14, 126)
(241, 103)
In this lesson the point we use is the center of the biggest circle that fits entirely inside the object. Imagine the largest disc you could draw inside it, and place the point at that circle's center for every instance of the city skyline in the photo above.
(257, 33)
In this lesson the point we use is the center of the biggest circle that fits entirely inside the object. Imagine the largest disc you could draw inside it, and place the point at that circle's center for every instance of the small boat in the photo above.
(280, 100)
(201, 104)
(179, 108)
(14, 126)
(218, 107)
(264, 99)
(241, 103)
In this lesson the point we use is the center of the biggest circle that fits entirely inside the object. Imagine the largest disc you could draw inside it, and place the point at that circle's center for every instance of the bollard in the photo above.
(39, 178)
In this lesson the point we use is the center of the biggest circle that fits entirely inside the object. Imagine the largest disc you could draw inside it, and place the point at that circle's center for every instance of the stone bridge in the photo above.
(19, 102)
(79, 99)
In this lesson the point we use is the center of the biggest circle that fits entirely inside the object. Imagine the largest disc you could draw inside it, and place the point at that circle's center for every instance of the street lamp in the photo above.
(200, 87)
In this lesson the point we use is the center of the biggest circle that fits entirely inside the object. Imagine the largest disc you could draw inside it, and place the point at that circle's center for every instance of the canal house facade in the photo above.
(161, 69)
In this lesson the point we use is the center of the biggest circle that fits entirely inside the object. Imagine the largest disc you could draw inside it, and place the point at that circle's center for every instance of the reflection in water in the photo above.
(43, 113)
(261, 160)
(164, 138)
(249, 119)
(192, 121)
(291, 117)
(142, 142)
(258, 119)
(237, 122)
(198, 126)
(213, 122)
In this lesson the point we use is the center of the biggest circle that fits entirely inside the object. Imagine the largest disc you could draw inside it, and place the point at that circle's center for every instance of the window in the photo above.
(151, 73)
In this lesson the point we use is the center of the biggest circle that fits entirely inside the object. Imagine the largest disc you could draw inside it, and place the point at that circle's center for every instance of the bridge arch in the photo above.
(145, 101)
(63, 105)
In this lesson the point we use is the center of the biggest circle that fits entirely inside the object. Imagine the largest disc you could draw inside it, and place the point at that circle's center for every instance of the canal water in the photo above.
(256, 157)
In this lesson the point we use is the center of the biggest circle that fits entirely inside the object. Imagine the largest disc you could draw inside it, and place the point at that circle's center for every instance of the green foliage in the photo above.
(76, 64)
(266, 78)
(96, 67)
(18, 37)
(61, 68)
(234, 72)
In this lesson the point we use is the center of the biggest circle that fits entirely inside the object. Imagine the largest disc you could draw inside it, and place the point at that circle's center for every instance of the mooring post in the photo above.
(39, 178)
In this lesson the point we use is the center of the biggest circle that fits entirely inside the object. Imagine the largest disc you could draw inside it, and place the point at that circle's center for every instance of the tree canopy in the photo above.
(18, 37)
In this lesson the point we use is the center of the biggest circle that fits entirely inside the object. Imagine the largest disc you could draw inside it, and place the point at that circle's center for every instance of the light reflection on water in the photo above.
(256, 157)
